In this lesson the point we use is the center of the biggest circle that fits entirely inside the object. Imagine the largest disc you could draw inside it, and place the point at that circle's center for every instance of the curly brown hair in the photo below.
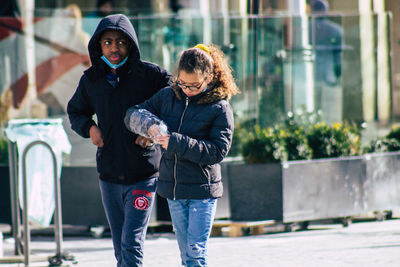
(209, 60)
(223, 77)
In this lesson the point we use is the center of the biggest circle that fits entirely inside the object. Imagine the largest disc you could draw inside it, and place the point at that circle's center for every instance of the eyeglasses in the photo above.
(188, 87)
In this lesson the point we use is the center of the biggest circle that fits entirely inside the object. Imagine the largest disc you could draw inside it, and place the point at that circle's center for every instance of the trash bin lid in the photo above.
(48, 130)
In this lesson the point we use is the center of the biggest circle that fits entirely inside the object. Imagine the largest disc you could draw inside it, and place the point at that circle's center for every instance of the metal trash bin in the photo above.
(33, 144)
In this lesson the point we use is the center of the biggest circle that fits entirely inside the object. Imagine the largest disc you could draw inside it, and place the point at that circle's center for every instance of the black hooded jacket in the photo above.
(120, 160)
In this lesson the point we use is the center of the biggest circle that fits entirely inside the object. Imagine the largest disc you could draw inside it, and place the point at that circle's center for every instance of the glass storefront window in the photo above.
(331, 65)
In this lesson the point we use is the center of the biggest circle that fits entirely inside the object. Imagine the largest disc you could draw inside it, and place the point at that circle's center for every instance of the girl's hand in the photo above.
(156, 132)
(163, 141)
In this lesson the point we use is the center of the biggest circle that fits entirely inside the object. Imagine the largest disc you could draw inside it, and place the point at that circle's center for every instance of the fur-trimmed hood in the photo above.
(209, 96)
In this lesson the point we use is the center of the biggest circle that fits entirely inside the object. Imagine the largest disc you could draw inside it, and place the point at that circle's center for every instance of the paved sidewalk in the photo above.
(361, 244)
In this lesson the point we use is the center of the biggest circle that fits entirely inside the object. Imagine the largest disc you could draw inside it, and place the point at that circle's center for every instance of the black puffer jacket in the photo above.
(201, 130)
(120, 160)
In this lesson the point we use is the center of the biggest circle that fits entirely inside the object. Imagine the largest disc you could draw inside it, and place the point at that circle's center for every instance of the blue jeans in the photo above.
(128, 209)
(192, 220)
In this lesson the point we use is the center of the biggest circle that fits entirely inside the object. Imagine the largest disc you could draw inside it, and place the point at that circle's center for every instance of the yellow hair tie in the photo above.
(203, 47)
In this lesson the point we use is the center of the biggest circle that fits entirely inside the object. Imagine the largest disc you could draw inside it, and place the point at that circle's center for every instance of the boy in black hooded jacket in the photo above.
(127, 167)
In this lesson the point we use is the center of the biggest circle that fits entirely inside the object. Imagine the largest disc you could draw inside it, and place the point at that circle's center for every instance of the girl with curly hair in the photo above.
(200, 126)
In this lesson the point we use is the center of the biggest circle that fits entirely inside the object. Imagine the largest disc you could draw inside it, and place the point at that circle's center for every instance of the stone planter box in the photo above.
(298, 190)
(382, 185)
(255, 191)
(323, 189)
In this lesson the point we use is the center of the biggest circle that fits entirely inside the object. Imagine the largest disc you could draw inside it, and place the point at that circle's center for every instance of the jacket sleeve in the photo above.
(140, 118)
(164, 79)
(210, 151)
(80, 112)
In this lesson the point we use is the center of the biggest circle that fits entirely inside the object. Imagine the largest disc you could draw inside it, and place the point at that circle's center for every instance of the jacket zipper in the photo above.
(176, 159)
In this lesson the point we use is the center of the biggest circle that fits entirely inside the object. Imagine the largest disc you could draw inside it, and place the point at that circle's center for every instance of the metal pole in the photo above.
(16, 222)
(368, 64)
(301, 58)
(57, 217)
(205, 14)
(25, 215)
(27, 14)
(226, 22)
(58, 231)
(383, 57)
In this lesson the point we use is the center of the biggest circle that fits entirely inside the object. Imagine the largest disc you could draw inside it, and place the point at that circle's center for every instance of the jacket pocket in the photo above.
(104, 160)
(205, 173)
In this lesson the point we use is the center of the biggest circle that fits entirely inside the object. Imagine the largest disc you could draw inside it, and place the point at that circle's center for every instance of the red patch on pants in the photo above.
(141, 203)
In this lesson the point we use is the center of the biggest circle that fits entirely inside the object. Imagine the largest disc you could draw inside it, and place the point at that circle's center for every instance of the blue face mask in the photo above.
(113, 66)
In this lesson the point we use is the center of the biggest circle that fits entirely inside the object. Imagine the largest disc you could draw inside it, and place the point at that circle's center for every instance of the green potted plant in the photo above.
(262, 145)
(387, 143)
(333, 141)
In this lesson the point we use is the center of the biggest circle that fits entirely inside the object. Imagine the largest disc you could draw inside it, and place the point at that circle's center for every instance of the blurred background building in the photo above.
(335, 58)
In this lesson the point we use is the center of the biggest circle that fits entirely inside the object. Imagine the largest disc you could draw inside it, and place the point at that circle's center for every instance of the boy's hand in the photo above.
(143, 141)
(96, 136)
